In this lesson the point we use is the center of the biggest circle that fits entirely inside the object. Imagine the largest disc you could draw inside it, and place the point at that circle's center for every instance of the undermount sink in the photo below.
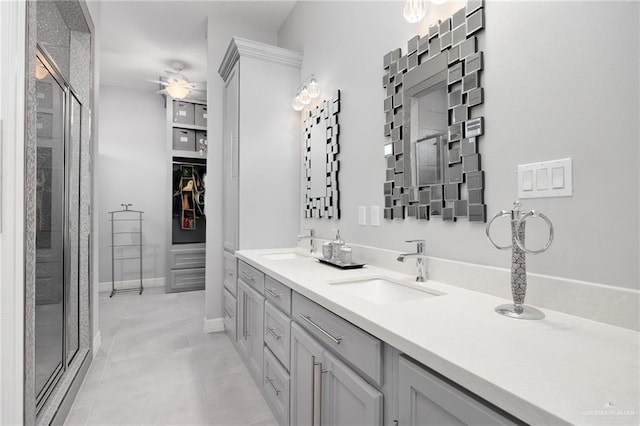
(383, 291)
(284, 256)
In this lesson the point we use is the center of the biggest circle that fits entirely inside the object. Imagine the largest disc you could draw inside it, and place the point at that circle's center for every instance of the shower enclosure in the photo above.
(58, 199)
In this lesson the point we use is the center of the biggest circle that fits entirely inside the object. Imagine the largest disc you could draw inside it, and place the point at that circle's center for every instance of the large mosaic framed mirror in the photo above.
(431, 129)
(321, 164)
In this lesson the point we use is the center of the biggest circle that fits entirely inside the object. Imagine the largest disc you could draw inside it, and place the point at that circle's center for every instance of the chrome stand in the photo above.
(518, 261)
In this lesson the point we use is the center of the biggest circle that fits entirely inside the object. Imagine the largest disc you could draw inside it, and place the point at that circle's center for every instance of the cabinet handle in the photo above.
(331, 337)
(313, 389)
(276, 390)
(247, 277)
(244, 315)
(273, 333)
(272, 293)
(228, 313)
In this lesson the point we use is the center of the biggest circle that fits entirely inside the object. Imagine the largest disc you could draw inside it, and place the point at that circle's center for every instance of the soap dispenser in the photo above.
(336, 245)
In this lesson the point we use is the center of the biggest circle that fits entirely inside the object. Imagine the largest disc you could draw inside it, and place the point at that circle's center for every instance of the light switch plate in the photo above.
(546, 179)
(375, 216)
(362, 215)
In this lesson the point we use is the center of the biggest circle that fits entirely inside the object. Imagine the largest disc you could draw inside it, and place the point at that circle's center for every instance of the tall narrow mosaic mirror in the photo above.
(431, 128)
(321, 164)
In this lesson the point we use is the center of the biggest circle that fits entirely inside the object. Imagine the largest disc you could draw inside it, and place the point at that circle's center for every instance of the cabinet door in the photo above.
(230, 163)
(347, 399)
(306, 357)
(425, 399)
(241, 320)
(255, 330)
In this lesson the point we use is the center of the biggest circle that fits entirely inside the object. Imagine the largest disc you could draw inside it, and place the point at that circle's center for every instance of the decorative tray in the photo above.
(342, 265)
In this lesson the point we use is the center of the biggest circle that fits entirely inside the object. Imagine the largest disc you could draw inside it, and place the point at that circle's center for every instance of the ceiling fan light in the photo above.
(177, 91)
(41, 71)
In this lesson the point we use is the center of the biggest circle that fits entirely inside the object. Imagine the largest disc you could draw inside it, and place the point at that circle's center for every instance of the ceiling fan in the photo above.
(176, 85)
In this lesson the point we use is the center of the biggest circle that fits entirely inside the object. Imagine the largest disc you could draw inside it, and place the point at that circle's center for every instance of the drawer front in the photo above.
(183, 279)
(201, 115)
(184, 139)
(251, 276)
(183, 112)
(359, 348)
(229, 312)
(230, 276)
(277, 333)
(278, 294)
(275, 387)
(187, 258)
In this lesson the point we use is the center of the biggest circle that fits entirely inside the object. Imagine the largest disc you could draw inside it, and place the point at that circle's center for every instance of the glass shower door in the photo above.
(50, 231)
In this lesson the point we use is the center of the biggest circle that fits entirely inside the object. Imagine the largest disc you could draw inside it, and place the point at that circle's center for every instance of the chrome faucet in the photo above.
(312, 239)
(421, 267)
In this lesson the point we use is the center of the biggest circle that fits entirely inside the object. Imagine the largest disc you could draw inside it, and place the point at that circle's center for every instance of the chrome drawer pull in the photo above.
(334, 339)
(226, 311)
(275, 389)
(272, 293)
(247, 276)
(273, 333)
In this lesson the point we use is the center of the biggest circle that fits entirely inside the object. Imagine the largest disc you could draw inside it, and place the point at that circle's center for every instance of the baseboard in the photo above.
(97, 342)
(146, 282)
(213, 325)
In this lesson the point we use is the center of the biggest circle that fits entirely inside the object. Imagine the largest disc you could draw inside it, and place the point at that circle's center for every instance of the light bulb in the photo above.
(297, 103)
(313, 88)
(414, 10)
(304, 96)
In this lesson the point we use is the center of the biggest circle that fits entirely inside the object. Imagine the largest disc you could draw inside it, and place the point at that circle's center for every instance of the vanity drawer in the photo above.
(354, 345)
(275, 384)
(229, 313)
(230, 275)
(277, 333)
(251, 276)
(187, 279)
(278, 294)
(184, 258)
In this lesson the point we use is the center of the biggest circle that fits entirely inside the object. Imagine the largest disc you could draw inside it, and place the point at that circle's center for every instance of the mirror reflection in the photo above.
(318, 142)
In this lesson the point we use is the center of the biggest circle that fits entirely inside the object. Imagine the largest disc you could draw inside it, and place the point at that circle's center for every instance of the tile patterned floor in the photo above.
(156, 367)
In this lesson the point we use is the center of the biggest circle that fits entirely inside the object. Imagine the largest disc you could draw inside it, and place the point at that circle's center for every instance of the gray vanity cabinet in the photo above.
(425, 399)
(306, 355)
(250, 319)
(324, 390)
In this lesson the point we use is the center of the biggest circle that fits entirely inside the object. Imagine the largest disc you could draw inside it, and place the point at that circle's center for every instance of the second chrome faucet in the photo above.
(421, 267)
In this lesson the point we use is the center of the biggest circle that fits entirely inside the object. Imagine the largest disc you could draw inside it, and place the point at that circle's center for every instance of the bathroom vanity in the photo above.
(326, 350)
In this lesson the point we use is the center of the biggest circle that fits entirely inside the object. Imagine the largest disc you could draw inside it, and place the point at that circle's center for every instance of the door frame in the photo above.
(13, 30)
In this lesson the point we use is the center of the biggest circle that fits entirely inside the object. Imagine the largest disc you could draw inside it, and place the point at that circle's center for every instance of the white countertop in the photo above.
(562, 369)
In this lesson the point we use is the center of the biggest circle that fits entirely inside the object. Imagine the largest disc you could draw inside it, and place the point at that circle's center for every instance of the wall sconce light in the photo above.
(306, 92)
(414, 10)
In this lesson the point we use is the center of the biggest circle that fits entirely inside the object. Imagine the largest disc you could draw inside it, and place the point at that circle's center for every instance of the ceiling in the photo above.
(140, 39)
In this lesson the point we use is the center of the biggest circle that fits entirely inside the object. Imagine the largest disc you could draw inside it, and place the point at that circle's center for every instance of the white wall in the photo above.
(219, 37)
(133, 168)
(561, 80)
